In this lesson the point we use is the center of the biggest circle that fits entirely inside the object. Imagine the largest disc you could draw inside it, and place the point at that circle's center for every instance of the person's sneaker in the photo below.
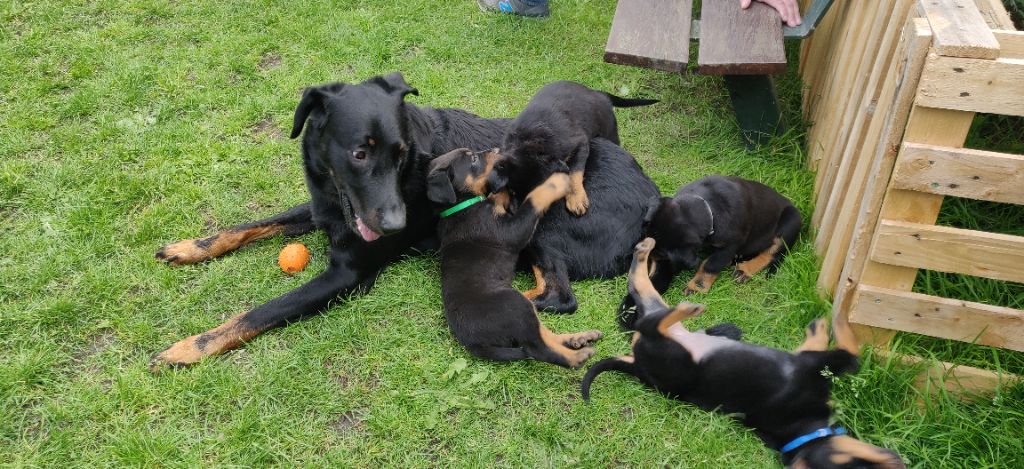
(515, 7)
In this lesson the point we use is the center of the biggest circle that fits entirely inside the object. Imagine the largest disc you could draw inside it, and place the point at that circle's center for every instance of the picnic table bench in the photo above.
(745, 47)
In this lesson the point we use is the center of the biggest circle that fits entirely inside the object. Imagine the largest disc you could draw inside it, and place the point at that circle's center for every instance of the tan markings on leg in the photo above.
(541, 285)
(478, 184)
(574, 358)
(577, 201)
(627, 358)
(551, 190)
(580, 339)
(191, 251)
(634, 340)
(747, 269)
(817, 337)
(701, 281)
(682, 311)
(215, 341)
(639, 274)
(846, 446)
(501, 202)
(845, 339)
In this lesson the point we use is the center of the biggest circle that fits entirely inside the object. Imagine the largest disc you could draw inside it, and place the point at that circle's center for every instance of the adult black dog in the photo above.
(553, 134)
(783, 396)
(366, 154)
(479, 249)
(737, 220)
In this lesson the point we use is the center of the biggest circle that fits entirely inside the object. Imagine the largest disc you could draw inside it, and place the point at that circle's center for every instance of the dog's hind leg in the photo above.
(292, 222)
(790, 223)
(747, 269)
(557, 295)
(817, 337)
(501, 354)
(661, 272)
(580, 339)
(640, 287)
(577, 201)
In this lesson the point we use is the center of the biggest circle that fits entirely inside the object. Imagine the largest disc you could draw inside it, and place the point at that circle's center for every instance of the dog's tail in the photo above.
(629, 102)
(616, 363)
(727, 330)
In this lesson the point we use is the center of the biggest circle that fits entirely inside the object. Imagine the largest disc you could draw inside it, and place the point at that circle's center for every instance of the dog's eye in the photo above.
(359, 155)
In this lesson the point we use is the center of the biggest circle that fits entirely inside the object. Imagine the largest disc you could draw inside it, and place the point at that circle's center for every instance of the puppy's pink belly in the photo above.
(698, 344)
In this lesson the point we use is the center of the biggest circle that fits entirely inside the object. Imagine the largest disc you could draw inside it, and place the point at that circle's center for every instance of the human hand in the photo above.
(788, 9)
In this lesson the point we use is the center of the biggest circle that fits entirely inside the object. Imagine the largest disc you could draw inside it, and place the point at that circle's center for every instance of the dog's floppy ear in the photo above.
(396, 83)
(652, 207)
(312, 98)
(439, 182)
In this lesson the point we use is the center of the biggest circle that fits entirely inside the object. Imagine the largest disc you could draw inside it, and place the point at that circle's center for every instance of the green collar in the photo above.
(461, 206)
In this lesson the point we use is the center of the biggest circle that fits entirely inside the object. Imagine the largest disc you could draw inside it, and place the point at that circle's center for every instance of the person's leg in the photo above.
(535, 8)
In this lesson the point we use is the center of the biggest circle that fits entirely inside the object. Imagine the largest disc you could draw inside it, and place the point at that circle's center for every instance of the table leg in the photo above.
(756, 106)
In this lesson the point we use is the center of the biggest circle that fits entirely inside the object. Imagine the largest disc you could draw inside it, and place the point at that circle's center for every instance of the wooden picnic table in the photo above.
(745, 47)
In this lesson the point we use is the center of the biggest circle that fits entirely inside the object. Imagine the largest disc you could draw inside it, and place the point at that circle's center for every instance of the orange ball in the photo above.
(293, 258)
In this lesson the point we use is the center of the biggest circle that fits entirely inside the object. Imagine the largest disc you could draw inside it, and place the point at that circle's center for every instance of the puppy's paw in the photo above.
(559, 184)
(696, 285)
(645, 246)
(183, 353)
(817, 327)
(582, 339)
(577, 203)
(189, 251)
(581, 356)
(740, 276)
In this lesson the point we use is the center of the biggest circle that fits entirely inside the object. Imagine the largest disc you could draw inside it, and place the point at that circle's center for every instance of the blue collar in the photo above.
(817, 434)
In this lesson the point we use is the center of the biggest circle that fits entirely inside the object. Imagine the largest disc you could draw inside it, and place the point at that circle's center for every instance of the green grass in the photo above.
(126, 125)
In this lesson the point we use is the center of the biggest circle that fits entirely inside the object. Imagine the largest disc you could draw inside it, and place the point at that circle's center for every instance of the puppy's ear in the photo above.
(652, 207)
(439, 187)
(439, 181)
(312, 98)
(397, 83)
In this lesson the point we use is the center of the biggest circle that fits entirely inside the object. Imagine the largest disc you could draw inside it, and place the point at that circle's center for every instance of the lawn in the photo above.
(127, 125)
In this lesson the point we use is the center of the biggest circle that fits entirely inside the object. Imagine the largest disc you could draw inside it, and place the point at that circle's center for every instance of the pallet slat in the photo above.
(940, 317)
(960, 30)
(991, 86)
(724, 25)
(947, 249)
(974, 174)
(651, 34)
(1011, 44)
(994, 13)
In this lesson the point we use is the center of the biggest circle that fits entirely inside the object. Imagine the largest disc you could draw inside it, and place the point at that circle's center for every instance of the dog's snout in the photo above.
(392, 219)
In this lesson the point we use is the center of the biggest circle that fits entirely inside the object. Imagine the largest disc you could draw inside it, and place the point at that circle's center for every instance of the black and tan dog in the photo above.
(740, 221)
(783, 396)
(480, 245)
(553, 134)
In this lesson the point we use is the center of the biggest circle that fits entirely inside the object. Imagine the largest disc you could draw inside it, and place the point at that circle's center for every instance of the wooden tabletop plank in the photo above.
(740, 42)
(960, 30)
(651, 33)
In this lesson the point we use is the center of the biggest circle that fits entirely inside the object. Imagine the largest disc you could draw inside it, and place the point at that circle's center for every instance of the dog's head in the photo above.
(459, 173)
(670, 224)
(358, 142)
(843, 452)
(526, 160)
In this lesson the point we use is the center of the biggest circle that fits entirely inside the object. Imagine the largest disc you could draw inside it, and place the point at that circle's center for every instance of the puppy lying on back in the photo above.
(480, 245)
(553, 134)
(782, 396)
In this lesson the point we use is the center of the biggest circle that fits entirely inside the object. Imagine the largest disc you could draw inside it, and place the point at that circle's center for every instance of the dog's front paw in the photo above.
(559, 184)
(645, 246)
(189, 251)
(183, 353)
(577, 203)
(582, 339)
(581, 356)
(696, 285)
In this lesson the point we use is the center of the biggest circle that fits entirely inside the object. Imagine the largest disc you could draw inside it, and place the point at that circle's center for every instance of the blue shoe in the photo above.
(516, 7)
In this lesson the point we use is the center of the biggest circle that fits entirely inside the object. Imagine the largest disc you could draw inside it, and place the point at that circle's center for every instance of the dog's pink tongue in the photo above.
(364, 231)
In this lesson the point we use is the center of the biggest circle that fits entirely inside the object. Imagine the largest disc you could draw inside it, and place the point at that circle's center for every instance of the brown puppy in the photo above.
(783, 396)
(480, 245)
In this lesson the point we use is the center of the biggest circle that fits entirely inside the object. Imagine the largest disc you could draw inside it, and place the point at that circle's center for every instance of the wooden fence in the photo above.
(892, 90)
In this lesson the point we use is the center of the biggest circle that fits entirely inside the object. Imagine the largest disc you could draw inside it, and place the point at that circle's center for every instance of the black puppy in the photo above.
(480, 245)
(782, 396)
(553, 134)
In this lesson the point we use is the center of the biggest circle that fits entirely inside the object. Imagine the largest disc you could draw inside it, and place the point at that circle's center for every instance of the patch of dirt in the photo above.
(269, 61)
(95, 344)
(348, 423)
(627, 412)
(266, 128)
